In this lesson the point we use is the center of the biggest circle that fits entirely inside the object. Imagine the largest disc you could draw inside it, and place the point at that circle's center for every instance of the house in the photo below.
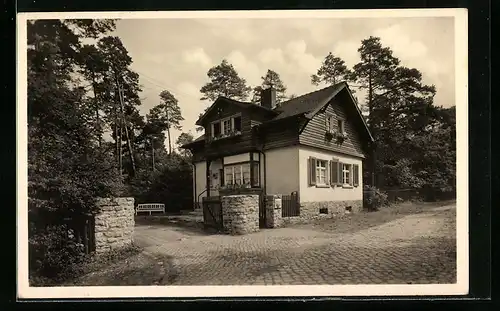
(311, 146)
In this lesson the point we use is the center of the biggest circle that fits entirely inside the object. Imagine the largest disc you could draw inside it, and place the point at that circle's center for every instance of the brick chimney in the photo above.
(268, 98)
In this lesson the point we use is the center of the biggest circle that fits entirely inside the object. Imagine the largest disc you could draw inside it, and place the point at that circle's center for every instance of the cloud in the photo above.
(348, 51)
(247, 69)
(296, 51)
(156, 58)
(272, 56)
(412, 53)
(197, 56)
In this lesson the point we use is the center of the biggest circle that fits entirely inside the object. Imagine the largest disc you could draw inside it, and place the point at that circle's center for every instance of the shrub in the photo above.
(374, 198)
(53, 257)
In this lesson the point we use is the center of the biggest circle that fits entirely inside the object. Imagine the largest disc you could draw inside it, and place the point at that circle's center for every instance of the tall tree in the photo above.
(66, 170)
(272, 78)
(331, 71)
(120, 87)
(375, 72)
(93, 69)
(167, 115)
(184, 138)
(224, 81)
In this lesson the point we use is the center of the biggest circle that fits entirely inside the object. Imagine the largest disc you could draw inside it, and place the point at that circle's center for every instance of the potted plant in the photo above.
(329, 135)
(340, 136)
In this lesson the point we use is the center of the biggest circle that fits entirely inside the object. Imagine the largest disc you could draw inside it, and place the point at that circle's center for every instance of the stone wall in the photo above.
(273, 211)
(114, 223)
(310, 211)
(240, 213)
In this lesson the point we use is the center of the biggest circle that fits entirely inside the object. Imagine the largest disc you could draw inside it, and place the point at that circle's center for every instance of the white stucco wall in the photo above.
(242, 157)
(215, 178)
(316, 194)
(282, 175)
(200, 180)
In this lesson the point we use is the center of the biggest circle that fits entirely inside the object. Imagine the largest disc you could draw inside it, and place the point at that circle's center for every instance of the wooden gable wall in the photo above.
(313, 134)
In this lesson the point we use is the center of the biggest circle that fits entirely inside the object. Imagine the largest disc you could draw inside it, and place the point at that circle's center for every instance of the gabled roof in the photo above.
(307, 105)
(308, 102)
(244, 105)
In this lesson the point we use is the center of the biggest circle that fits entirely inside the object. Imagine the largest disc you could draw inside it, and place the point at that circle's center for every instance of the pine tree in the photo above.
(331, 71)
(272, 78)
(167, 115)
(224, 81)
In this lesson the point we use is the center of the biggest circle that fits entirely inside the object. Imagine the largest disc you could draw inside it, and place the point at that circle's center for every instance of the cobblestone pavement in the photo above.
(415, 249)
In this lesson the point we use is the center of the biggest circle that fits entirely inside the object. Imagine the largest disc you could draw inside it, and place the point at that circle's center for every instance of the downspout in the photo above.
(194, 186)
(261, 151)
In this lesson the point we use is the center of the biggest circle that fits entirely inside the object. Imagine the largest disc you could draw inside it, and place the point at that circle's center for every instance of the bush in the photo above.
(374, 198)
(52, 257)
(171, 184)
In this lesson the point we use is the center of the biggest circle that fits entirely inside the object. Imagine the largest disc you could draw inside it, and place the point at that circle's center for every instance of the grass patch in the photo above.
(91, 263)
(139, 269)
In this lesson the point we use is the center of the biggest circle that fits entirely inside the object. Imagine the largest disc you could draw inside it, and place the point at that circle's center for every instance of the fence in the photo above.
(290, 206)
(82, 230)
(212, 212)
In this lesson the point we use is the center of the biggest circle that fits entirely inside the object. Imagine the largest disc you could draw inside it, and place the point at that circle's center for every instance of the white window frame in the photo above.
(346, 174)
(341, 126)
(230, 169)
(329, 121)
(321, 167)
(223, 126)
(213, 128)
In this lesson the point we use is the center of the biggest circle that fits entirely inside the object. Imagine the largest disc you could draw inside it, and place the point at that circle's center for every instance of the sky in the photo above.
(175, 54)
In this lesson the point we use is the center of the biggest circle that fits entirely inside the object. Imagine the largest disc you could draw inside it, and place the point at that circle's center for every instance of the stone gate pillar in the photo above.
(240, 213)
(114, 223)
(273, 211)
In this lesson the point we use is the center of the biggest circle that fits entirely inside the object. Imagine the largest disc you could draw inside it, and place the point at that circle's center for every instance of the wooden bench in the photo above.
(150, 207)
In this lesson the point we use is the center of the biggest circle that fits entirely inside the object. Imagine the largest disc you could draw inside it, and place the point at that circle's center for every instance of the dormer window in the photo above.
(226, 127)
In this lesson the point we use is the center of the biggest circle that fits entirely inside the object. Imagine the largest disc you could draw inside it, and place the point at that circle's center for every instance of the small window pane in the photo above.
(246, 173)
(237, 124)
(237, 175)
(256, 172)
(216, 128)
(227, 126)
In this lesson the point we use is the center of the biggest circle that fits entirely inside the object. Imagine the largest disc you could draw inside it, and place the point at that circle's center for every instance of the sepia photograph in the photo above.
(274, 153)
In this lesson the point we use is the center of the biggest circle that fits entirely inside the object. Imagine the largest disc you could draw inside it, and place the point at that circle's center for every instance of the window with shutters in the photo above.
(321, 172)
(346, 174)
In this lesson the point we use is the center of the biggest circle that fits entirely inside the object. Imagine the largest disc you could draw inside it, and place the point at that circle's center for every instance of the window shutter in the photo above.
(334, 172)
(356, 175)
(312, 171)
(351, 174)
(339, 174)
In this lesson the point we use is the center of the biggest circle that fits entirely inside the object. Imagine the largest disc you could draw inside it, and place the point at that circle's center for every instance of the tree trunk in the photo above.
(97, 121)
(169, 141)
(120, 161)
(153, 153)
(370, 124)
(116, 137)
(129, 145)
